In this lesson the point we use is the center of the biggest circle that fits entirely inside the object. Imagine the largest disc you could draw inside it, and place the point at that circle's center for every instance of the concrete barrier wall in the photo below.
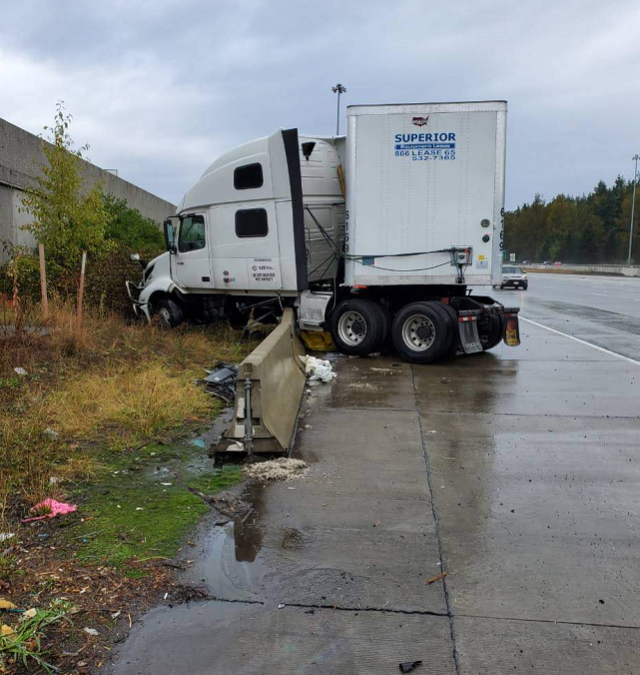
(21, 156)
(621, 270)
(277, 379)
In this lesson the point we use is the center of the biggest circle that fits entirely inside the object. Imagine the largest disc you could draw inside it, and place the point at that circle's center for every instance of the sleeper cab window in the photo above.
(248, 176)
(251, 223)
(191, 235)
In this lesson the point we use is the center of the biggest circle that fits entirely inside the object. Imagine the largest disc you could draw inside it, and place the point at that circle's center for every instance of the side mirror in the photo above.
(170, 236)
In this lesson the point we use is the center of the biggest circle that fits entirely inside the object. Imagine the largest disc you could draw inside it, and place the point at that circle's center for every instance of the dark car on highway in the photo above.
(513, 277)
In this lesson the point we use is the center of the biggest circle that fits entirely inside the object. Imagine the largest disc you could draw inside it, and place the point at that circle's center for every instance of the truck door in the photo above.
(191, 267)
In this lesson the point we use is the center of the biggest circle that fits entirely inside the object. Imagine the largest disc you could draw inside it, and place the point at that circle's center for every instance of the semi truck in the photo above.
(378, 237)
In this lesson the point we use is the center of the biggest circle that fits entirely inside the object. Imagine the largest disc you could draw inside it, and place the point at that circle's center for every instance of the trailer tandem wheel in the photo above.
(422, 332)
(358, 327)
(452, 317)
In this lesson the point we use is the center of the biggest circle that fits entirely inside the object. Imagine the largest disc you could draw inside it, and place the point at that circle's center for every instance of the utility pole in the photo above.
(338, 89)
(635, 158)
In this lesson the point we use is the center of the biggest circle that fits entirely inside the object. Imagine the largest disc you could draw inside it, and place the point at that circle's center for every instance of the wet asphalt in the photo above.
(516, 471)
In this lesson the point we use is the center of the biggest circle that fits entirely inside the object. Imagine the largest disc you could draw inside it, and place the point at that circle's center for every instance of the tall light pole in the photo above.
(338, 89)
(635, 158)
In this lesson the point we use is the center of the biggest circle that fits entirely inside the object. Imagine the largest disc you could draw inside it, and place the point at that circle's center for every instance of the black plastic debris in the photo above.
(408, 666)
(221, 381)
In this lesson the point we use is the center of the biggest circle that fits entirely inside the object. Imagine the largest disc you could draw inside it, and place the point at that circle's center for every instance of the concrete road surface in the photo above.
(517, 472)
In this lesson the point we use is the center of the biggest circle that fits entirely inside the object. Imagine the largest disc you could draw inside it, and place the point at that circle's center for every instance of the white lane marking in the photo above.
(582, 342)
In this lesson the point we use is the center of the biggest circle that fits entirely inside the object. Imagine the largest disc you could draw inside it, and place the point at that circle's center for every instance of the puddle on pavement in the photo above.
(230, 564)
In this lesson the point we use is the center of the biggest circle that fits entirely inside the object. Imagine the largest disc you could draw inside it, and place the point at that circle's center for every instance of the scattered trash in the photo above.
(29, 614)
(198, 442)
(6, 535)
(52, 508)
(50, 433)
(275, 469)
(408, 666)
(115, 615)
(442, 575)
(20, 371)
(318, 370)
(166, 595)
(364, 386)
(6, 604)
(54, 480)
(221, 381)
(167, 484)
(281, 605)
(377, 523)
(139, 508)
(6, 630)
(90, 631)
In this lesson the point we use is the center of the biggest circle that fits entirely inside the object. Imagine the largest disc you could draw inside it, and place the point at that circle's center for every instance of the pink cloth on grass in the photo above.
(57, 509)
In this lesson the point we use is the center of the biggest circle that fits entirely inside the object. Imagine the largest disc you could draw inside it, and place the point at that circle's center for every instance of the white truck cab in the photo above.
(371, 237)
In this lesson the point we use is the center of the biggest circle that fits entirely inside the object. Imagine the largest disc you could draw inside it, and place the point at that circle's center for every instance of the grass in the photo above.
(140, 507)
(210, 483)
(24, 644)
(121, 386)
(134, 402)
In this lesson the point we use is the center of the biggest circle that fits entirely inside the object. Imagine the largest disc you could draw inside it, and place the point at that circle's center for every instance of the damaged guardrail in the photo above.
(269, 391)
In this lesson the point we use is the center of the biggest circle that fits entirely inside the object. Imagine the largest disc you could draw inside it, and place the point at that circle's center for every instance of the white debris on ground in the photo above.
(363, 386)
(20, 371)
(318, 370)
(282, 468)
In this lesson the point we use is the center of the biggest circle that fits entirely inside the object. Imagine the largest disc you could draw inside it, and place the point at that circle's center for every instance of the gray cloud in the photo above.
(160, 88)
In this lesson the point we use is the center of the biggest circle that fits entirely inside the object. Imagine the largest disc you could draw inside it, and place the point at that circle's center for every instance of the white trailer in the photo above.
(266, 227)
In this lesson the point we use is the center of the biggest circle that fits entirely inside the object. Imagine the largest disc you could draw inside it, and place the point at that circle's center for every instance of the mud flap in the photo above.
(468, 331)
(511, 328)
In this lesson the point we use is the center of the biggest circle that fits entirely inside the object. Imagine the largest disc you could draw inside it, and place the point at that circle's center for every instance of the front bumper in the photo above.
(139, 308)
(515, 283)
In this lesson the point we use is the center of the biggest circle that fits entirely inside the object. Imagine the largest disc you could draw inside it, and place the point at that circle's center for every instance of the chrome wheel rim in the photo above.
(418, 332)
(352, 328)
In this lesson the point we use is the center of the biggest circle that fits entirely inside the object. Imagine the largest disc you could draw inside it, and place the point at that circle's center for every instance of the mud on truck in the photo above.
(376, 237)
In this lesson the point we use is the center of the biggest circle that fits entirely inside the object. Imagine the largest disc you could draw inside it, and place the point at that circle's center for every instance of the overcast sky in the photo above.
(159, 88)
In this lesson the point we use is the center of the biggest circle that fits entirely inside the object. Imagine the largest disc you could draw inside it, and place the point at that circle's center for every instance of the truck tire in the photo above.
(357, 327)
(235, 317)
(453, 322)
(386, 326)
(168, 313)
(490, 330)
(422, 332)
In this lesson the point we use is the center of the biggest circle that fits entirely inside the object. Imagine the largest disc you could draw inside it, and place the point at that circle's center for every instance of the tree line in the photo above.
(69, 216)
(592, 228)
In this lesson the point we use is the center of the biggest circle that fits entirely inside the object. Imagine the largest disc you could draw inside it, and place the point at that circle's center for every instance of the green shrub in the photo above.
(127, 226)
